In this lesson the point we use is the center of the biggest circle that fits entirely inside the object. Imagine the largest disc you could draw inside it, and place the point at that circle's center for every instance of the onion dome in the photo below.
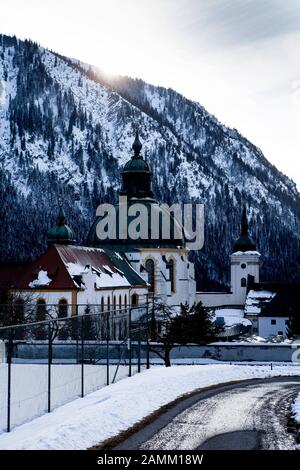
(244, 242)
(136, 174)
(61, 233)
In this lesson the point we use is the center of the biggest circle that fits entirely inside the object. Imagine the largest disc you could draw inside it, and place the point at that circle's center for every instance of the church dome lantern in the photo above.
(136, 174)
(244, 242)
(136, 187)
(61, 233)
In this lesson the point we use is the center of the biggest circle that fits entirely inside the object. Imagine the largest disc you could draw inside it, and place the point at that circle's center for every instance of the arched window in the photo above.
(63, 313)
(19, 311)
(108, 303)
(19, 317)
(170, 267)
(150, 268)
(41, 310)
(125, 328)
(120, 302)
(62, 308)
(114, 304)
(134, 299)
(243, 282)
(102, 304)
(125, 303)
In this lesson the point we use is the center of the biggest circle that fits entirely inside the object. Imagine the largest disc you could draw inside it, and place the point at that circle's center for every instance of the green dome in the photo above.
(136, 187)
(61, 233)
(152, 208)
(136, 174)
(136, 164)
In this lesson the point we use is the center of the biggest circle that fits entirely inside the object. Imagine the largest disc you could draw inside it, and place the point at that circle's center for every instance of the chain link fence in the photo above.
(69, 351)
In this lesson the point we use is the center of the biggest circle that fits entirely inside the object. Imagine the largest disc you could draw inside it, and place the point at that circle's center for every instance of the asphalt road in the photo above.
(250, 415)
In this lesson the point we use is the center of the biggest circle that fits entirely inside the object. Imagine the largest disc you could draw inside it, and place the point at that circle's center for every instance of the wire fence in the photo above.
(67, 352)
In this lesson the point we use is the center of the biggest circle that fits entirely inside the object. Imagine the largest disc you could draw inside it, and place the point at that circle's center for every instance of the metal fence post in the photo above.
(49, 365)
(139, 349)
(77, 335)
(148, 334)
(129, 343)
(107, 348)
(82, 357)
(9, 356)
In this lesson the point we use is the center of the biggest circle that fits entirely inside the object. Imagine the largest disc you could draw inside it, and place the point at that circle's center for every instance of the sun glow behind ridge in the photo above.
(238, 59)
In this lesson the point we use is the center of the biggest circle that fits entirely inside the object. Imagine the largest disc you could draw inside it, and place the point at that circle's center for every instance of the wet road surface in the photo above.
(250, 415)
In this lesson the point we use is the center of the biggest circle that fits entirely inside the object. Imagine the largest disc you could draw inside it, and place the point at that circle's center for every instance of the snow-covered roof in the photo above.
(232, 317)
(75, 267)
(239, 253)
(42, 280)
(108, 269)
(256, 299)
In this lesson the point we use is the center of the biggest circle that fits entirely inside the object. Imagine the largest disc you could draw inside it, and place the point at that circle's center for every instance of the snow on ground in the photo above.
(103, 414)
(29, 387)
(296, 413)
(296, 409)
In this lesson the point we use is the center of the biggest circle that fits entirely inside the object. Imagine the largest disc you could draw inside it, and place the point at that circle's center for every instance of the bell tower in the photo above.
(245, 261)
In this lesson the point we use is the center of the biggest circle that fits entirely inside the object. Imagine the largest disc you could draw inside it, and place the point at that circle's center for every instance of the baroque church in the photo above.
(123, 271)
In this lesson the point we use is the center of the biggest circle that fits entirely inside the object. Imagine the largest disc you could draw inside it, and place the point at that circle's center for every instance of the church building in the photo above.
(128, 270)
(111, 273)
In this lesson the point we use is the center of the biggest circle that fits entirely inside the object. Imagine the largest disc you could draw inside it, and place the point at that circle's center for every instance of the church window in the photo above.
(115, 304)
(134, 299)
(20, 310)
(62, 308)
(41, 310)
(40, 331)
(243, 266)
(120, 302)
(150, 268)
(63, 313)
(102, 304)
(170, 267)
(243, 282)
(19, 317)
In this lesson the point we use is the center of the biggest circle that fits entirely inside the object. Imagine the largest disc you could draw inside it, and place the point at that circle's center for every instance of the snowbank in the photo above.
(296, 409)
(29, 387)
(103, 414)
(2, 352)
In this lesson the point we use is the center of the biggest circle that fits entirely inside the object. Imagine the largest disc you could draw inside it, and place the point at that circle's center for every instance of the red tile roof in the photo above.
(55, 261)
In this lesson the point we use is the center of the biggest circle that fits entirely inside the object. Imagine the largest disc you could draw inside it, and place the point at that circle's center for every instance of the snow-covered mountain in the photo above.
(64, 121)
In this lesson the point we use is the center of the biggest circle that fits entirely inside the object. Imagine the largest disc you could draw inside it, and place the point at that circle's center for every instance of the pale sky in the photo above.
(238, 58)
